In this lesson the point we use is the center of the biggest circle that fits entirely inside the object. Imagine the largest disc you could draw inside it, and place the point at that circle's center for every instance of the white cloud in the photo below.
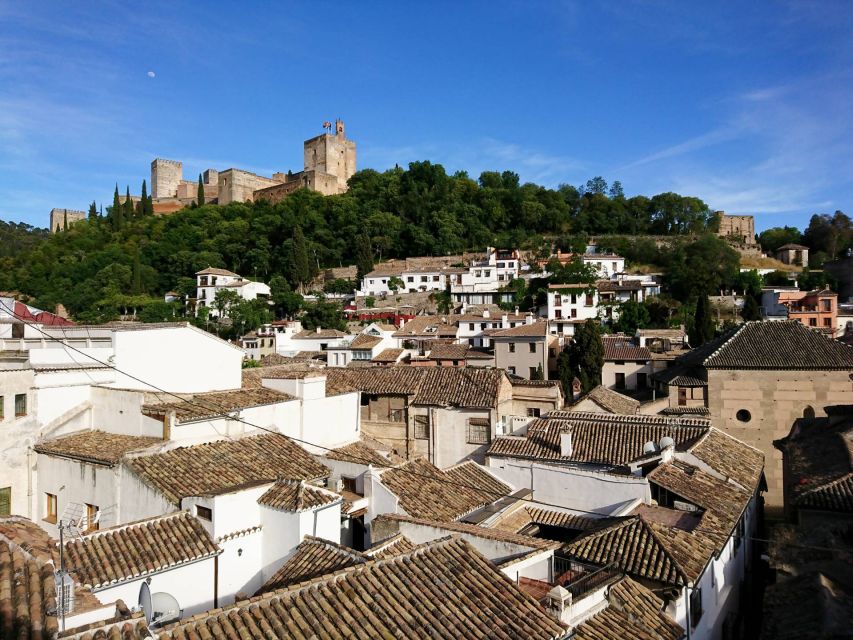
(151, 74)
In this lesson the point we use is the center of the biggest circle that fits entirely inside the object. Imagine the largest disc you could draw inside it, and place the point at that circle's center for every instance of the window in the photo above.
(435, 278)
(532, 347)
(588, 301)
(532, 372)
(511, 370)
(827, 322)
(92, 517)
(422, 427)
(827, 305)
(478, 431)
(743, 415)
(6, 501)
(424, 279)
(812, 322)
(50, 508)
(558, 313)
(205, 513)
(574, 313)
(348, 484)
(695, 607)
(512, 347)
(410, 279)
(532, 412)
(20, 404)
(558, 301)
(17, 329)
(682, 396)
(482, 326)
(500, 265)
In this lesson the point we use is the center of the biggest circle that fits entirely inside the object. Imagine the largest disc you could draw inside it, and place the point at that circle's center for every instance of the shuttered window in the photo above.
(478, 431)
(6, 501)
(422, 427)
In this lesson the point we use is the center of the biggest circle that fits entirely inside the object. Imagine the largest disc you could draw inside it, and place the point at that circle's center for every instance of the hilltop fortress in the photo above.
(329, 162)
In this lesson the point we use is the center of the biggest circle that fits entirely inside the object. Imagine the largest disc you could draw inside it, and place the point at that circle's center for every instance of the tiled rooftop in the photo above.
(538, 329)
(624, 348)
(207, 405)
(314, 557)
(425, 491)
(295, 495)
(388, 355)
(819, 464)
(612, 401)
(633, 612)
(442, 590)
(106, 558)
(359, 453)
(98, 447)
(218, 467)
(27, 594)
(778, 345)
(597, 438)
(391, 547)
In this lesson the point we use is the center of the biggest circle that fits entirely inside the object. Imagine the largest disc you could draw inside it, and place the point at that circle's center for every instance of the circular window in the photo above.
(743, 415)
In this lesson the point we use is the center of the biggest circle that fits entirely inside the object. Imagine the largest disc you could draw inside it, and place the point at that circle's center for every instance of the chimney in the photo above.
(504, 321)
(529, 318)
(318, 329)
(486, 313)
(560, 603)
(516, 311)
(566, 444)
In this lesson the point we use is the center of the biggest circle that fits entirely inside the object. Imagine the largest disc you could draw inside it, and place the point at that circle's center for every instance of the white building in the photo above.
(570, 305)
(688, 502)
(482, 281)
(373, 340)
(606, 265)
(211, 280)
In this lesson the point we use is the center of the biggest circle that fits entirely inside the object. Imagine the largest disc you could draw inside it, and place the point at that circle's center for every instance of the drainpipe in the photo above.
(30, 483)
(687, 610)
(216, 581)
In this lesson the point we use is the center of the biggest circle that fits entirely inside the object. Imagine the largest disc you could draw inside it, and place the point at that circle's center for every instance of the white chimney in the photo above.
(318, 329)
(529, 318)
(485, 313)
(566, 444)
(560, 603)
(504, 321)
(516, 311)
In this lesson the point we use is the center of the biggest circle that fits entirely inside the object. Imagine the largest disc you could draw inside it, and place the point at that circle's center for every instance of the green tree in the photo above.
(395, 284)
(773, 238)
(632, 316)
(224, 300)
(582, 358)
(142, 207)
(538, 374)
(158, 311)
(703, 323)
(93, 210)
(65, 220)
(751, 309)
(324, 314)
(116, 213)
(442, 300)
(301, 271)
(702, 267)
(363, 256)
(370, 302)
(136, 286)
(287, 302)
(573, 272)
(200, 197)
(128, 206)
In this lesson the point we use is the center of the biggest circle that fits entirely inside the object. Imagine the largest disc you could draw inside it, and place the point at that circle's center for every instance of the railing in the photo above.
(580, 578)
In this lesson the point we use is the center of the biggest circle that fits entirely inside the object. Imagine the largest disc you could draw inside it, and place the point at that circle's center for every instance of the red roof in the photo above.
(30, 314)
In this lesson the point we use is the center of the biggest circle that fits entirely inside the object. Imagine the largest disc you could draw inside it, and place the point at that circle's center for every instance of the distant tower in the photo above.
(330, 159)
(166, 175)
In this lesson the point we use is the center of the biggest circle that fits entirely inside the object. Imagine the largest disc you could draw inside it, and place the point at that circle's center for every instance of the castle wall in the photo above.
(236, 185)
(166, 175)
(58, 217)
(740, 228)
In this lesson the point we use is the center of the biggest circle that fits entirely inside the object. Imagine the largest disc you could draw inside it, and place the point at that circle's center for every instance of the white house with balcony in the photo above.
(211, 280)
(570, 305)
(481, 282)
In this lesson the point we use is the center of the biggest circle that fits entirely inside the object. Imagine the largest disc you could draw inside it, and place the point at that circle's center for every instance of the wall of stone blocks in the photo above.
(239, 186)
(774, 400)
(166, 175)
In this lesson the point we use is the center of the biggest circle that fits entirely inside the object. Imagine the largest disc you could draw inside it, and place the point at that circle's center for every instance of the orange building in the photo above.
(817, 309)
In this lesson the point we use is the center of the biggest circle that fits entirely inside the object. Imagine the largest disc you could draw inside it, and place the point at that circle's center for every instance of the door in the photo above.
(620, 380)
(6, 501)
(641, 381)
(682, 396)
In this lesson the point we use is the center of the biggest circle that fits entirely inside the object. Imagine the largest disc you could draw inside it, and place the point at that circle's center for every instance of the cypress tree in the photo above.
(128, 206)
(300, 270)
(137, 275)
(584, 357)
(200, 198)
(65, 221)
(143, 200)
(363, 256)
(116, 213)
(93, 210)
(703, 323)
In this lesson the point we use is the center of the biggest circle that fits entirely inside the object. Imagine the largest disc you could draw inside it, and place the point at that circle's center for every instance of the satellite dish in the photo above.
(159, 608)
(666, 441)
(649, 447)
(145, 601)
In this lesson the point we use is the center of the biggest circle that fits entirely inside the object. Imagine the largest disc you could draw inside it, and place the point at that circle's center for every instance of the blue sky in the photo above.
(746, 105)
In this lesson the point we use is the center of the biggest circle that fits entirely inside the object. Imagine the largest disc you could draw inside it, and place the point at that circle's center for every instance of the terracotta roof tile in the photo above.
(779, 345)
(27, 594)
(216, 467)
(445, 589)
(624, 348)
(732, 458)
(206, 405)
(811, 605)
(364, 341)
(313, 557)
(94, 446)
(471, 474)
(359, 453)
(312, 334)
(612, 401)
(391, 547)
(537, 329)
(819, 465)
(633, 611)
(425, 491)
(388, 355)
(291, 495)
(214, 271)
(597, 438)
(112, 556)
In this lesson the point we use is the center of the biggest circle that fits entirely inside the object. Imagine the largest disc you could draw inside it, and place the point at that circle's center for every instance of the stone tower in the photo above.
(166, 175)
(331, 160)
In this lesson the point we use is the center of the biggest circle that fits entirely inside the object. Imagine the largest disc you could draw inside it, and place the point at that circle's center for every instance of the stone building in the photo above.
(329, 162)
(59, 217)
(740, 229)
(756, 381)
(791, 253)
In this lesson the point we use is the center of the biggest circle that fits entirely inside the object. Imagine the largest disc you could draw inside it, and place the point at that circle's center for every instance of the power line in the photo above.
(224, 413)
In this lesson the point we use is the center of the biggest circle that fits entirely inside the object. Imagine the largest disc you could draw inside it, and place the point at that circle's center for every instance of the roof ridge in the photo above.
(648, 526)
(91, 535)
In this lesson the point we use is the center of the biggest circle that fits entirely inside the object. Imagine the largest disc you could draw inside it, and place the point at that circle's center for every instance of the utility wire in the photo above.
(225, 413)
